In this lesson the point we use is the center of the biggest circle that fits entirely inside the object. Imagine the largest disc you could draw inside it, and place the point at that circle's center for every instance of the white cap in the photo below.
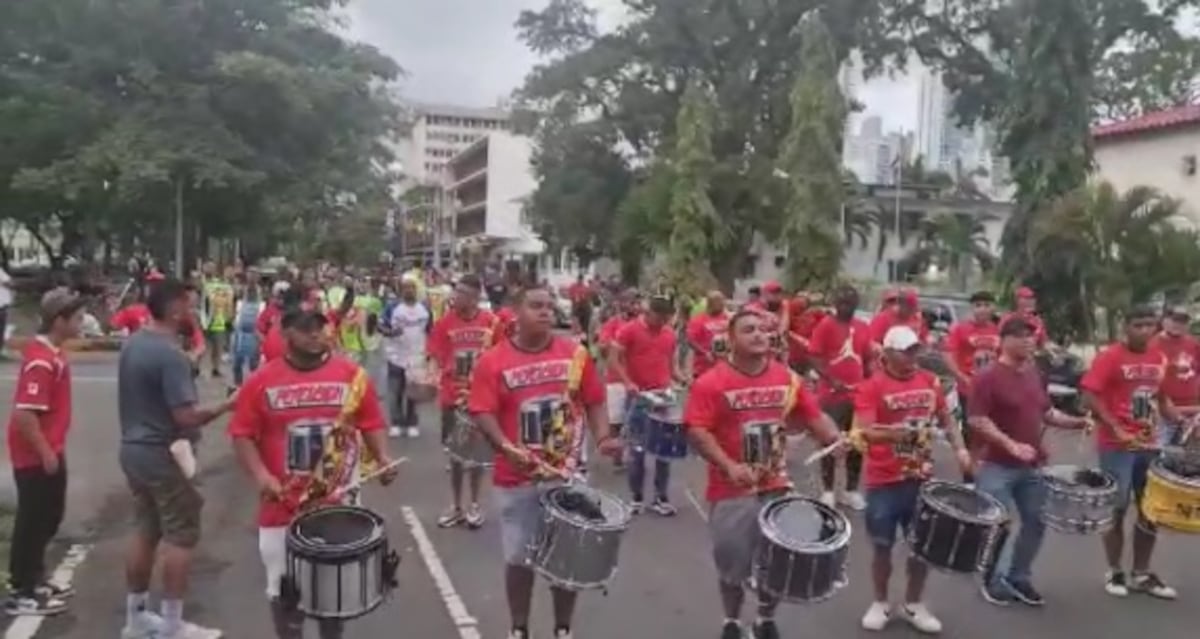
(280, 286)
(900, 338)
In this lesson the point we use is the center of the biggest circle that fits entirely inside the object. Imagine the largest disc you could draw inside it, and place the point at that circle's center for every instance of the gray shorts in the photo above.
(733, 524)
(521, 520)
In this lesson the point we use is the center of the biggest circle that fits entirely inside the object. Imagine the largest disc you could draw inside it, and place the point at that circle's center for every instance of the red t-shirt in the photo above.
(1182, 384)
(845, 349)
(455, 344)
(1128, 384)
(748, 415)
(606, 338)
(884, 321)
(268, 319)
(1039, 327)
(506, 323)
(1015, 400)
(776, 324)
(44, 388)
(884, 401)
(804, 322)
(531, 397)
(578, 292)
(287, 413)
(273, 345)
(131, 318)
(973, 345)
(648, 354)
(708, 336)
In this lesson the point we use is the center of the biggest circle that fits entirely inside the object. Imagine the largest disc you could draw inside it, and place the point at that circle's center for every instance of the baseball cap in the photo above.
(1026, 293)
(303, 319)
(58, 302)
(280, 286)
(900, 338)
(1179, 313)
(772, 287)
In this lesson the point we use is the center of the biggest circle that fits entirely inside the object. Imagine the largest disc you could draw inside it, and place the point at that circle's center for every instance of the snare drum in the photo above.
(1172, 497)
(956, 528)
(666, 437)
(466, 444)
(802, 557)
(1078, 500)
(339, 565)
(574, 551)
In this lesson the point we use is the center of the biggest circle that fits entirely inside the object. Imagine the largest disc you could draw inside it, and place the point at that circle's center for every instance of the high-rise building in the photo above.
(441, 131)
(932, 108)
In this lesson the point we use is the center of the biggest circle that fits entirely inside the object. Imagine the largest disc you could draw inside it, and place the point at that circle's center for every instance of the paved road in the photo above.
(665, 587)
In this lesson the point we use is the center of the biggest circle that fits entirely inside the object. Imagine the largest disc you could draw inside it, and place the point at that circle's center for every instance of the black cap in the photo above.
(1179, 313)
(1017, 326)
(303, 319)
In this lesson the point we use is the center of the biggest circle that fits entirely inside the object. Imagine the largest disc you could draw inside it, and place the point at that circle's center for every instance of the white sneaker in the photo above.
(147, 625)
(854, 500)
(562, 634)
(920, 618)
(395, 431)
(1115, 585)
(192, 631)
(1150, 584)
(829, 499)
(877, 616)
(412, 432)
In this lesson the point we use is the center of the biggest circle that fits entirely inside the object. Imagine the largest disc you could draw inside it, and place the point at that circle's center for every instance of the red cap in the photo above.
(1026, 293)
(909, 297)
(772, 287)
(155, 276)
(890, 294)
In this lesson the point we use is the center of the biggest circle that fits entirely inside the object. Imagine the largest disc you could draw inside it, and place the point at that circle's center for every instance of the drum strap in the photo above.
(342, 451)
(569, 414)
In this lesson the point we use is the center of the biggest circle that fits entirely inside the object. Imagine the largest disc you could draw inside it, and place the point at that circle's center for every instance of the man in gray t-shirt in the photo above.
(154, 377)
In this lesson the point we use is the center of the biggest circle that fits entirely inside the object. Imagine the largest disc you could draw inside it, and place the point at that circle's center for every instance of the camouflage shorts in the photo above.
(166, 505)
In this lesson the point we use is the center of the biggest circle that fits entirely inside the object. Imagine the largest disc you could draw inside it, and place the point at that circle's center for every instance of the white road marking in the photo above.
(691, 497)
(468, 627)
(27, 627)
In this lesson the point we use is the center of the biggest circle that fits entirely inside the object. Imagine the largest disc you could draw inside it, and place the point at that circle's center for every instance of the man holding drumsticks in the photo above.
(530, 396)
(736, 416)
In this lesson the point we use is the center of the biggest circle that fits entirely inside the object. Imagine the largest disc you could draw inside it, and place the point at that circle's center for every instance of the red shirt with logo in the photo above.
(607, 337)
(804, 322)
(648, 353)
(844, 348)
(1035, 320)
(1182, 384)
(708, 336)
(884, 401)
(131, 318)
(1128, 384)
(287, 413)
(973, 345)
(539, 399)
(885, 320)
(456, 343)
(43, 388)
(749, 415)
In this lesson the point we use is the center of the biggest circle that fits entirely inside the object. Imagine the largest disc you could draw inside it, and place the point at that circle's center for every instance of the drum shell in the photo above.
(1076, 509)
(1171, 501)
(577, 555)
(338, 582)
(950, 541)
(800, 574)
(466, 444)
(666, 439)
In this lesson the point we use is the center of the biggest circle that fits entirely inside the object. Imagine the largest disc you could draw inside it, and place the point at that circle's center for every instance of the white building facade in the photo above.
(1158, 150)
(441, 131)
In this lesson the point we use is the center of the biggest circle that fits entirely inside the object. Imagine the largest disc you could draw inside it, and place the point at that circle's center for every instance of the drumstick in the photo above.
(824, 452)
(358, 483)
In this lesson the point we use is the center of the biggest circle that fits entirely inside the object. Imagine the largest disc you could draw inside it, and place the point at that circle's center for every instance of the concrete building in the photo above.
(1158, 150)
(441, 131)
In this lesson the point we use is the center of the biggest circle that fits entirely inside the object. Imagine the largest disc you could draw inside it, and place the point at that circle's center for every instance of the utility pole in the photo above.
(179, 267)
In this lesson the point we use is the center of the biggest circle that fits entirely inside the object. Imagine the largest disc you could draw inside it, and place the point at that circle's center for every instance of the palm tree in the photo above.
(956, 242)
(1121, 248)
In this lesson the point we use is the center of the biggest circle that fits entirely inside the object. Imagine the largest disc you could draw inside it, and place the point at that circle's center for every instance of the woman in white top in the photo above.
(406, 326)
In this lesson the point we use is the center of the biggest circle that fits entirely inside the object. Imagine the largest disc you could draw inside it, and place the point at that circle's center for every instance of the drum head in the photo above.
(962, 502)
(799, 522)
(587, 507)
(1077, 477)
(1184, 465)
(337, 529)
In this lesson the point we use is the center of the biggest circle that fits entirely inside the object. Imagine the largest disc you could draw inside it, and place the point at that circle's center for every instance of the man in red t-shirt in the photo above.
(455, 344)
(530, 397)
(737, 415)
(1182, 383)
(628, 309)
(283, 419)
(1124, 390)
(906, 312)
(971, 346)
(643, 358)
(895, 412)
(776, 311)
(840, 352)
(708, 334)
(37, 438)
(1026, 302)
(1008, 408)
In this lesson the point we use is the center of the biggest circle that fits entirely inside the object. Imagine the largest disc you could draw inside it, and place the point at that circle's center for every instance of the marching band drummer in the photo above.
(1182, 384)
(894, 411)
(708, 334)
(628, 308)
(777, 311)
(279, 428)
(455, 343)
(736, 415)
(529, 395)
(971, 346)
(1123, 389)
(1008, 406)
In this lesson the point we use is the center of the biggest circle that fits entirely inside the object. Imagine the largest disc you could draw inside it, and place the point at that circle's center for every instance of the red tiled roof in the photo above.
(1168, 118)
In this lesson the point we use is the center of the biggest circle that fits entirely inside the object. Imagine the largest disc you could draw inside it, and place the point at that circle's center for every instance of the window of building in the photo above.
(749, 266)
(779, 260)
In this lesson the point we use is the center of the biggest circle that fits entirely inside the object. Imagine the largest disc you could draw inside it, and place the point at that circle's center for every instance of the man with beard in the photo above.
(748, 399)
(1123, 389)
(530, 396)
(775, 311)
(285, 414)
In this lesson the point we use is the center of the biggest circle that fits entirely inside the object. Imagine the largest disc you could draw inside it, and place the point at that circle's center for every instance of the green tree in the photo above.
(811, 162)
(696, 228)
(1148, 74)
(956, 242)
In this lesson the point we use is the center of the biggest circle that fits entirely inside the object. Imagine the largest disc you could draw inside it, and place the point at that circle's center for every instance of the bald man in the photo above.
(707, 334)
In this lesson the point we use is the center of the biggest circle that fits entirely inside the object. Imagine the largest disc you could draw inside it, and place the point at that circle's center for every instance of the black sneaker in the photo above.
(662, 507)
(1025, 592)
(765, 629)
(997, 594)
(637, 506)
(731, 630)
(33, 606)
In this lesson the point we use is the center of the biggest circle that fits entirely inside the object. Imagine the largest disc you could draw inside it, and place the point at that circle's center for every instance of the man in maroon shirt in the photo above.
(1008, 404)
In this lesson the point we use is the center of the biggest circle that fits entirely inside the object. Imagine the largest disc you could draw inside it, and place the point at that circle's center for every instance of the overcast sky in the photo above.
(467, 52)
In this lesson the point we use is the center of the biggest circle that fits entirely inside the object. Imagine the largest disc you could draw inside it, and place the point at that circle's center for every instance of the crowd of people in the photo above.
(325, 364)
